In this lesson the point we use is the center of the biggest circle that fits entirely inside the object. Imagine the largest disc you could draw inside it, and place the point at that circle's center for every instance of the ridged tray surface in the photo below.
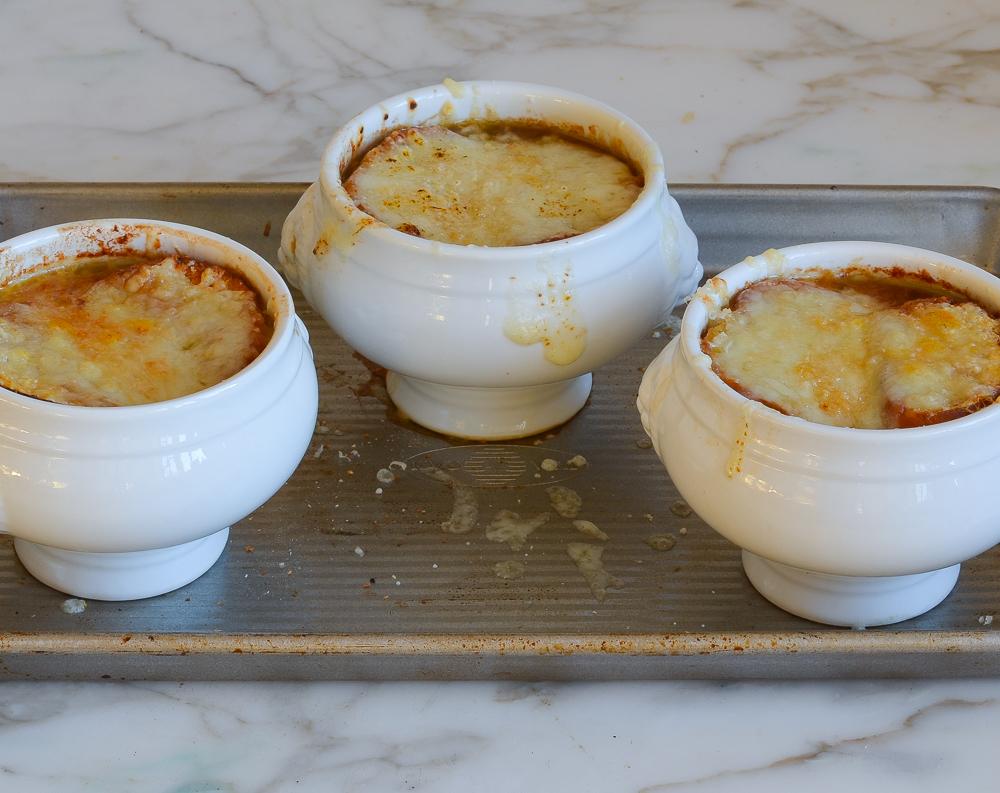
(331, 579)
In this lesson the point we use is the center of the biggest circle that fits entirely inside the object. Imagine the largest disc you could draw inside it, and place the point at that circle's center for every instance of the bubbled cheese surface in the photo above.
(116, 332)
(871, 358)
(937, 359)
(480, 185)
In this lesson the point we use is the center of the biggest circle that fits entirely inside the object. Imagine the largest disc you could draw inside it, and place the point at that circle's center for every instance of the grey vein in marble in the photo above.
(756, 90)
(252, 738)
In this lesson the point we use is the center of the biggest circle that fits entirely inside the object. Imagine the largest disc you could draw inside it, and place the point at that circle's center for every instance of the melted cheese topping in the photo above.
(479, 186)
(127, 332)
(857, 357)
(937, 359)
(801, 349)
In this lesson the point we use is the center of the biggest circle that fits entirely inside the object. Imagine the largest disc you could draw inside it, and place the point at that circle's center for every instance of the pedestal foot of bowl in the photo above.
(121, 576)
(488, 413)
(848, 601)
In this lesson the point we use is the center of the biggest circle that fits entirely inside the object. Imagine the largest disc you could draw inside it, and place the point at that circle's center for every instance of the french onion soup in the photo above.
(491, 183)
(113, 331)
(869, 349)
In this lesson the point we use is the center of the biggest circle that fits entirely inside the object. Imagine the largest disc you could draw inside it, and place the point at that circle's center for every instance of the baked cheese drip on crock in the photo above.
(491, 184)
(115, 331)
(864, 353)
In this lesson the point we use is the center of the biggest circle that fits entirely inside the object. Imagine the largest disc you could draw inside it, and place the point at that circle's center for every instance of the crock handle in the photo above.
(655, 383)
(303, 332)
(301, 329)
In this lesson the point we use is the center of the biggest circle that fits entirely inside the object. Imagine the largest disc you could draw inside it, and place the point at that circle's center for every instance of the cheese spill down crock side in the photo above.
(869, 351)
(127, 331)
(491, 184)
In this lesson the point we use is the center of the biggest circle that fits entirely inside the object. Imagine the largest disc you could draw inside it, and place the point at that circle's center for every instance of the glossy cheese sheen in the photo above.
(938, 360)
(480, 185)
(127, 332)
(801, 349)
(863, 356)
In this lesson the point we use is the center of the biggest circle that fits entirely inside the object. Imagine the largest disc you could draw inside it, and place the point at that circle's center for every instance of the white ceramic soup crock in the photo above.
(117, 503)
(443, 318)
(843, 526)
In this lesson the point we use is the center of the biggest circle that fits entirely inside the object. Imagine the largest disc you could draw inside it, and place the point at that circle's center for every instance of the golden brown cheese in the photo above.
(938, 361)
(862, 354)
(127, 332)
(502, 186)
(801, 349)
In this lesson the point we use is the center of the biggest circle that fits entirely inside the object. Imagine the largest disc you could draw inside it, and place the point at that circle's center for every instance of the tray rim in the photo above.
(728, 187)
(684, 643)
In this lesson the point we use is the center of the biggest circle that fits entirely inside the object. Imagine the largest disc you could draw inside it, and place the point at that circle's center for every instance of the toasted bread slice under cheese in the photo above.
(938, 361)
(143, 332)
(871, 358)
(800, 349)
(476, 187)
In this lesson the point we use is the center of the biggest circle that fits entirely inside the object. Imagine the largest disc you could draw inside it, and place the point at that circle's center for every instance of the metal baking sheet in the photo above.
(293, 599)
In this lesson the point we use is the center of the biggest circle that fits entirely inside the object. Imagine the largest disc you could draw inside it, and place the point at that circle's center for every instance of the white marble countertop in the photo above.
(761, 91)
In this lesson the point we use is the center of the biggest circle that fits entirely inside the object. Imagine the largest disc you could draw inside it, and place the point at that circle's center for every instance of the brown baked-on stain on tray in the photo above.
(862, 348)
(104, 331)
(491, 183)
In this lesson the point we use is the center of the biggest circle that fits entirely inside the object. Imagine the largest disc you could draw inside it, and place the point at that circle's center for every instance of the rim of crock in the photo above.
(652, 169)
(690, 333)
(283, 317)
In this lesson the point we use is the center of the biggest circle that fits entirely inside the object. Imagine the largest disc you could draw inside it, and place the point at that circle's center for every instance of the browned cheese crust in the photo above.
(491, 185)
(119, 332)
(863, 352)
